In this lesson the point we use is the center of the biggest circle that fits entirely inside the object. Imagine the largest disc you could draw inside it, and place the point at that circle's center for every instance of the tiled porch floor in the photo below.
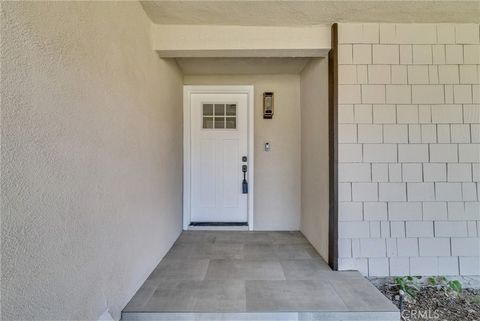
(232, 275)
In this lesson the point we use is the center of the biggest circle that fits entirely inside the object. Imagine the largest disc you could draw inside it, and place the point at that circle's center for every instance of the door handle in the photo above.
(244, 182)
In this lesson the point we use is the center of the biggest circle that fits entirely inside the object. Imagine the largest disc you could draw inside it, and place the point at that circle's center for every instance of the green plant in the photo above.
(441, 282)
(455, 286)
(408, 284)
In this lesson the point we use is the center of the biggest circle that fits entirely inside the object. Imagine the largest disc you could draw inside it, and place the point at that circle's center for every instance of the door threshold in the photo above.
(219, 226)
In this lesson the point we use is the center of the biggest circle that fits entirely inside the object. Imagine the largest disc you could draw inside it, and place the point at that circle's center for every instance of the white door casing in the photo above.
(218, 132)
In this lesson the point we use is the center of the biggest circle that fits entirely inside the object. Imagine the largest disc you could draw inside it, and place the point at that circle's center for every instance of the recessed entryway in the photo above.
(291, 187)
(218, 156)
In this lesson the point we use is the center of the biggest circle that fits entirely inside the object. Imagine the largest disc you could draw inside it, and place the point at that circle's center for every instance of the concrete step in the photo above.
(265, 316)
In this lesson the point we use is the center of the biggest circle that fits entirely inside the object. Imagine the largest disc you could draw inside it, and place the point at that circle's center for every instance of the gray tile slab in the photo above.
(180, 269)
(198, 296)
(279, 251)
(220, 296)
(295, 251)
(206, 251)
(245, 270)
(243, 237)
(142, 296)
(312, 251)
(259, 251)
(353, 293)
(309, 295)
(293, 237)
(309, 269)
(171, 296)
(188, 237)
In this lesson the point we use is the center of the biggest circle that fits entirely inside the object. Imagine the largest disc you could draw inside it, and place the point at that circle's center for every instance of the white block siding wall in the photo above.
(409, 149)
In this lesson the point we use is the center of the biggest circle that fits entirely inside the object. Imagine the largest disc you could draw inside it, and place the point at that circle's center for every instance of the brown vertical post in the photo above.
(333, 149)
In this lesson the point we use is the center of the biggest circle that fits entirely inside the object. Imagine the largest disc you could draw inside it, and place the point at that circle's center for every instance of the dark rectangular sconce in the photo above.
(268, 105)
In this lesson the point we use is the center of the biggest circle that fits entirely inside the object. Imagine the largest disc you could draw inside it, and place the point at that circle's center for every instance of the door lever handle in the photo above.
(244, 182)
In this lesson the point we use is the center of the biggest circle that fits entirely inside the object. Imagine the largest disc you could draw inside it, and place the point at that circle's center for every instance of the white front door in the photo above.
(218, 150)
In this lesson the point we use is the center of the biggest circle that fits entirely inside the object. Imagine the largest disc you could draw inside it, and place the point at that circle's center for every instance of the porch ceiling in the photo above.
(180, 41)
(291, 13)
(241, 66)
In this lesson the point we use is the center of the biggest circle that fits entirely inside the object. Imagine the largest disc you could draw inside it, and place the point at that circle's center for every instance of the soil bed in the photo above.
(435, 304)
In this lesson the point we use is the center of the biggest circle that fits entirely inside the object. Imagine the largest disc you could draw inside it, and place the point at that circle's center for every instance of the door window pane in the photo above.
(219, 122)
(207, 122)
(231, 123)
(219, 109)
(207, 109)
(231, 109)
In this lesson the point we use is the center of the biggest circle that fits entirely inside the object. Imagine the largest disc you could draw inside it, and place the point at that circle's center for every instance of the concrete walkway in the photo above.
(220, 275)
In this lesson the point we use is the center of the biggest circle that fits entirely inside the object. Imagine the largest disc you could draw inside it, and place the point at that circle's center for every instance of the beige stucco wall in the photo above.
(314, 151)
(277, 172)
(91, 158)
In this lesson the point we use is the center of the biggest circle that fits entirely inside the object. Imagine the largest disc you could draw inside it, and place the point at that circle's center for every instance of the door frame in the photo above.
(188, 90)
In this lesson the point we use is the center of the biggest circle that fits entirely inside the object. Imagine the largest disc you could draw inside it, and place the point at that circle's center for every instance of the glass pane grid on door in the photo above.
(219, 116)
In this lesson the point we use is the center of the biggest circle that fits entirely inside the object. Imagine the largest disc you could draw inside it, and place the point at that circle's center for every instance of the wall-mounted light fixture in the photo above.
(267, 105)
